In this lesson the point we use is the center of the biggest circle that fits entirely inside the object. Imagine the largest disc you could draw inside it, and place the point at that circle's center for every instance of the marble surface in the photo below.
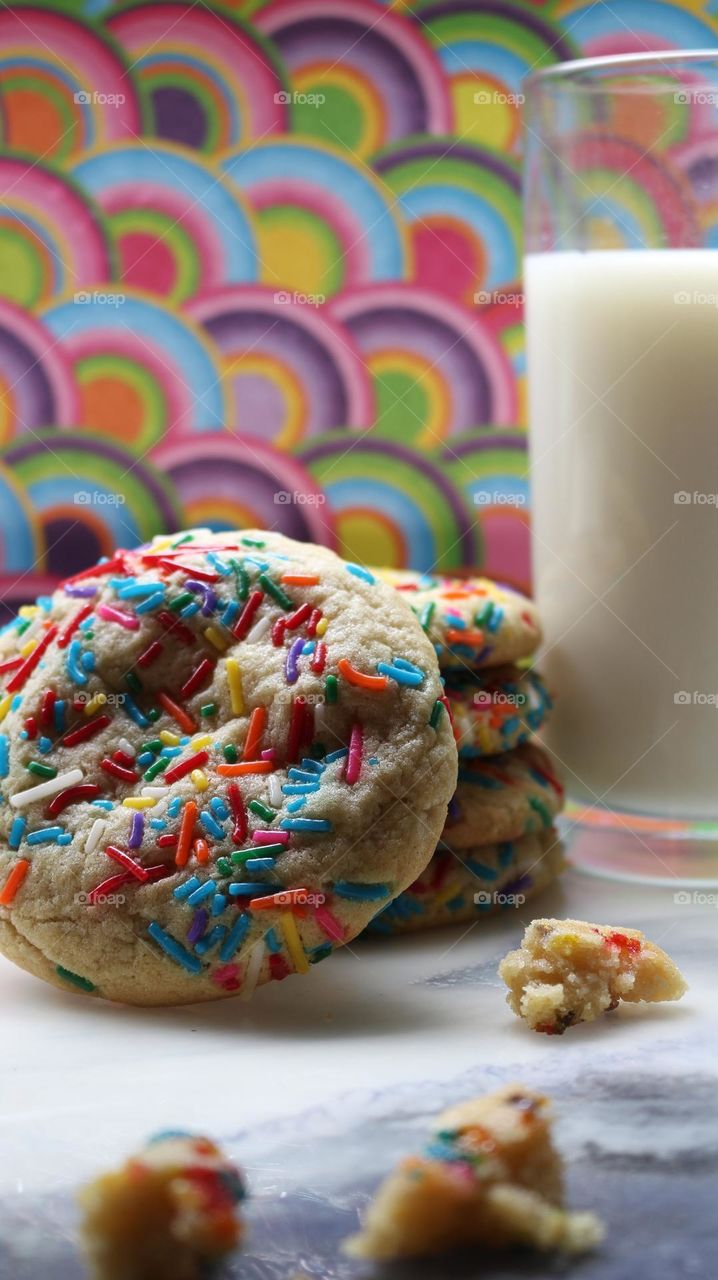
(321, 1084)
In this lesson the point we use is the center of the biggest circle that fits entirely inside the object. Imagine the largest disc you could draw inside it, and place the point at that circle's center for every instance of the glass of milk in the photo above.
(621, 280)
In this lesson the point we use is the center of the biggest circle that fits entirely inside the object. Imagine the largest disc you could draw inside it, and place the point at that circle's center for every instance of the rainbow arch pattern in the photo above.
(260, 264)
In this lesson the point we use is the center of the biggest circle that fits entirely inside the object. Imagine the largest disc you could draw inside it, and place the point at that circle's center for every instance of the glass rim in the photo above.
(575, 67)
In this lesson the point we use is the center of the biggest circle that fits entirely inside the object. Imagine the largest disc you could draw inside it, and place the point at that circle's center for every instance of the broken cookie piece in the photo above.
(170, 1212)
(570, 971)
(491, 1176)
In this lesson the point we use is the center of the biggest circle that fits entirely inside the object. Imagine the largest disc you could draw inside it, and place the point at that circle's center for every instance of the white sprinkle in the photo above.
(49, 788)
(157, 792)
(251, 973)
(95, 835)
(258, 631)
(127, 747)
(275, 791)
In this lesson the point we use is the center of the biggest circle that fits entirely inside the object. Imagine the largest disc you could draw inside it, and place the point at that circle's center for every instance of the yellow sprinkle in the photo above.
(5, 706)
(199, 779)
(202, 741)
(139, 802)
(289, 928)
(28, 648)
(214, 637)
(98, 701)
(162, 544)
(234, 680)
(28, 610)
(169, 739)
(322, 625)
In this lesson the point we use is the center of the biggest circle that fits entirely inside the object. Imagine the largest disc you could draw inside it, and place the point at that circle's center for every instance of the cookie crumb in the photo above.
(570, 971)
(490, 1176)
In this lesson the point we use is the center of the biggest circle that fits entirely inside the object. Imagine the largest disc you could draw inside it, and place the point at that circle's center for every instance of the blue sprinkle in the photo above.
(359, 572)
(249, 889)
(184, 890)
(299, 788)
(235, 938)
(44, 745)
(212, 939)
(133, 590)
(117, 583)
(305, 824)
(185, 740)
(219, 903)
(174, 806)
(102, 804)
(204, 891)
(218, 564)
(230, 614)
(23, 735)
(211, 827)
(189, 609)
(16, 702)
(158, 824)
(130, 707)
(361, 892)
(496, 618)
(173, 948)
(260, 864)
(59, 714)
(480, 869)
(45, 835)
(309, 647)
(336, 755)
(219, 808)
(87, 623)
(408, 666)
(152, 602)
(295, 805)
(145, 757)
(313, 766)
(302, 775)
(45, 603)
(412, 678)
(373, 760)
(74, 656)
(272, 941)
(65, 838)
(4, 755)
(17, 831)
(170, 751)
(87, 661)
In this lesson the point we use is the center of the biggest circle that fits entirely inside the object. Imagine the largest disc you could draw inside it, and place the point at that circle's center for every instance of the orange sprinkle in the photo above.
(13, 882)
(189, 817)
(457, 594)
(287, 898)
(246, 766)
(455, 635)
(257, 722)
(201, 850)
(359, 678)
(300, 579)
(184, 721)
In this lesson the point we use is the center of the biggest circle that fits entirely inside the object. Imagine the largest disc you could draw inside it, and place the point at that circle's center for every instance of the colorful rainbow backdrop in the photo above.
(260, 264)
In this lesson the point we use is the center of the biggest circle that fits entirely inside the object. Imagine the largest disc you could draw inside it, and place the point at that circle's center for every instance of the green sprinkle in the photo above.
(68, 976)
(252, 542)
(230, 753)
(331, 689)
(224, 866)
(240, 856)
(186, 537)
(540, 808)
(23, 626)
(155, 745)
(209, 709)
(241, 579)
(261, 810)
(436, 711)
(484, 615)
(133, 682)
(153, 714)
(42, 770)
(179, 602)
(157, 766)
(274, 590)
(427, 614)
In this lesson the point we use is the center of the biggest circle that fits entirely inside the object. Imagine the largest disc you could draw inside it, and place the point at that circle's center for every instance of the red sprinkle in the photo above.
(278, 631)
(168, 840)
(124, 859)
(125, 877)
(85, 731)
(64, 637)
(297, 728)
(117, 771)
(170, 623)
(315, 617)
(122, 758)
(239, 813)
(186, 766)
(11, 664)
(278, 968)
(116, 565)
(243, 623)
(354, 758)
(626, 943)
(30, 727)
(150, 655)
(47, 708)
(299, 616)
(18, 679)
(72, 795)
(199, 676)
(173, 565)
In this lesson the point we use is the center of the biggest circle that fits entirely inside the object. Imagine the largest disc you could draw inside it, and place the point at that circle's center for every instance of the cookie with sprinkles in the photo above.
(496, 710)
(503, 797)
(472, 622)
(474, 883)
(219, 755)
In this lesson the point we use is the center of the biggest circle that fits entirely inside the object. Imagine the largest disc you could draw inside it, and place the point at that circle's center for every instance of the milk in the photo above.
(623, 380)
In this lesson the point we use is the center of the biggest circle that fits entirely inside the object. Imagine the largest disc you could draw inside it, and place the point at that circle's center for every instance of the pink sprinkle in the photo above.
(354, 758)
(270, 837)
(126, 620)
(329, 924)
(269, 754)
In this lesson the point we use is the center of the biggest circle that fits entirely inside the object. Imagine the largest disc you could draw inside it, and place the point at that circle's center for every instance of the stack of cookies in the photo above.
(499, 844)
